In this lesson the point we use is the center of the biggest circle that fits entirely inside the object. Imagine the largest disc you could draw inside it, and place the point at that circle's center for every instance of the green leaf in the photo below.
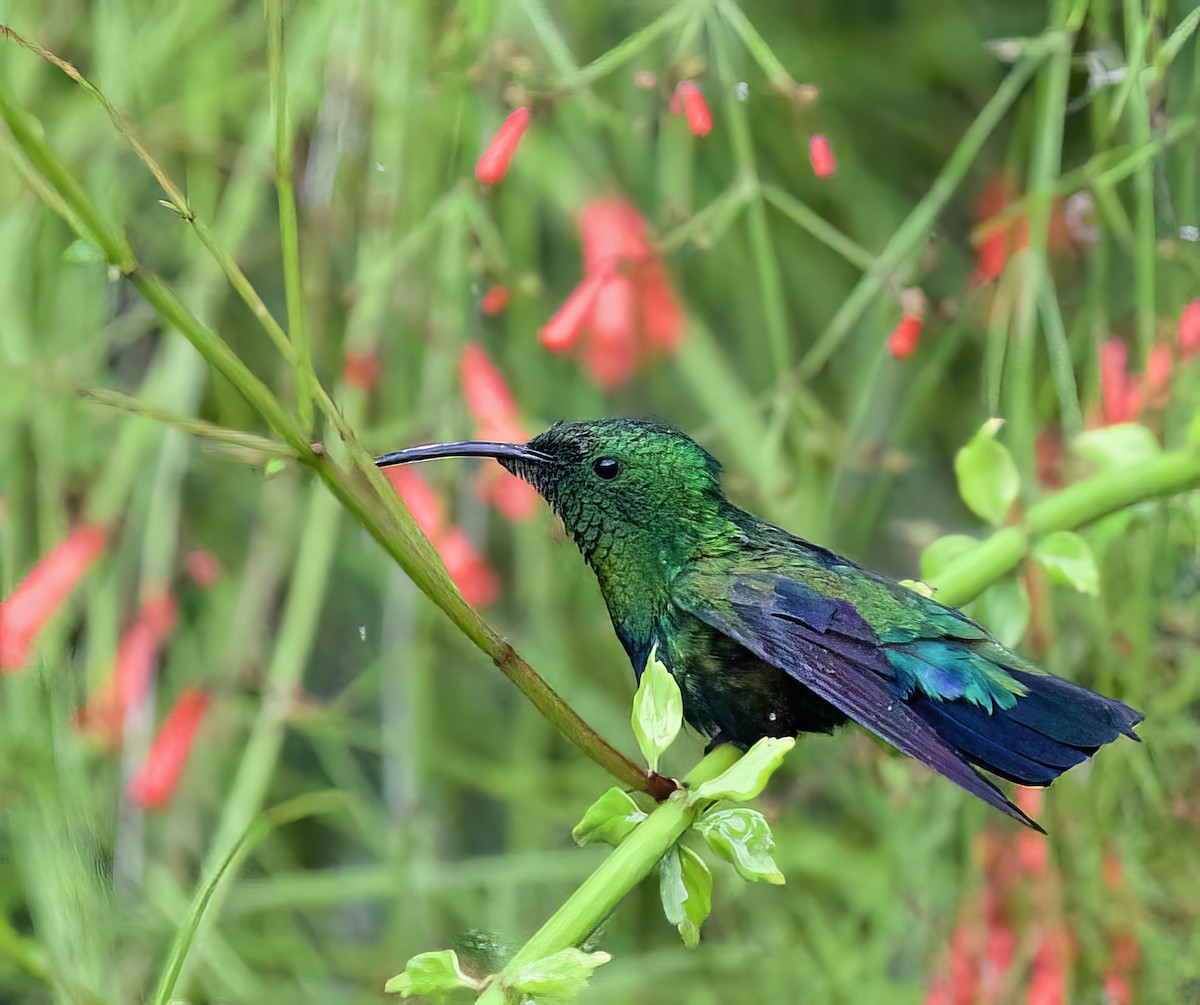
(742, 836)
(430, 974)
(657, 710)
(1117, 446)
(685, 885)
(273, 467)
(559, 977)
(942, 552)
(609, 819)
(987, 477)
(83, 252)
(1003, 608)
(917, 587)
(748, 777)
(1068, 561)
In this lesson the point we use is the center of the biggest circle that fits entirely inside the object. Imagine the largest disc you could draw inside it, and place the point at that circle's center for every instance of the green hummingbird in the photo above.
(770, 635)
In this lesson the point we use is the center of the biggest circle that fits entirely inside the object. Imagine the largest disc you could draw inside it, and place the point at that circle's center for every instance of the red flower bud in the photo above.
(611, 353)
(902, 343)
(494, 301)
(25, 613)
(493, 162)
(155, 783)
(993, 250)
(689, 101)
(820, 156)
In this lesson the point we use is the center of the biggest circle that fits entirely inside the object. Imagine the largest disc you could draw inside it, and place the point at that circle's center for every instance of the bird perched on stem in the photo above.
(769, 635)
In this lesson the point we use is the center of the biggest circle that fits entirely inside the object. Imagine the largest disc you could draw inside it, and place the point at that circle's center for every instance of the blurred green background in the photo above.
(329, 671)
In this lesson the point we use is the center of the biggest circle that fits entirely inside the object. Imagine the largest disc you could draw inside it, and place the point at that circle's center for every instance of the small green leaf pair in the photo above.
(557, 978)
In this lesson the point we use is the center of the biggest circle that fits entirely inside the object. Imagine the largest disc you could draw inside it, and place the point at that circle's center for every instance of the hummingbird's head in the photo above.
(619, 485)
(636, 481)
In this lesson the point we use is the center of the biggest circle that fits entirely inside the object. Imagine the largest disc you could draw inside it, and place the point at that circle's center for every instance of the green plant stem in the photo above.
(1073, 507)
(627, 866)
(289, 237)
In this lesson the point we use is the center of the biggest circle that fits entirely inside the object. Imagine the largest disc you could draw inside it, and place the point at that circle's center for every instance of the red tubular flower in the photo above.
(495, 412)
(904, 338)
(564, 328)
(662, 319)
(1157, 379)
(133, 669)
(624, 310)
(25, 613)
(471, 574)
(1122, 401)
(1048, 982)
(614, 233)
(689, 101)
(418, 495)
(493, 162)
(1189, 330)
(153, 786)
(494, 301)
(820, 156)
(488, 396)
(361, 370)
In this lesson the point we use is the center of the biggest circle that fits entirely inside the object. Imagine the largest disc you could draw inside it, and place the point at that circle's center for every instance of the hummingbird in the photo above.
(767, 634)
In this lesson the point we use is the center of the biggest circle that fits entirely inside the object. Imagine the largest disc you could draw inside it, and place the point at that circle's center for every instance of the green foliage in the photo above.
(749, 776)
(1068, 561)
(987, 475)
(432, 974)
(657, 710)
(328, 669)
(685, 886)
(743, 837)
(560, 977)
(609, 819)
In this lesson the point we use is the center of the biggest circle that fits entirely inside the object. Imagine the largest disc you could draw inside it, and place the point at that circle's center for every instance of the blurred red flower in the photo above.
(624, 308)
(156, 781)
(904, 338)
(494, 301)
(361, 369)
(494, 161)
(203, 567)
(31, 605)
(1012, 235)
(688, 100)
(1122, 400)
(496, 418)
(465, 566)
(820, 156)
(132, 671)
(1189, 329)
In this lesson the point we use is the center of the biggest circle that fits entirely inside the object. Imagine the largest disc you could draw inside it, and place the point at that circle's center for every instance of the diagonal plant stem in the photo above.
(361, 487)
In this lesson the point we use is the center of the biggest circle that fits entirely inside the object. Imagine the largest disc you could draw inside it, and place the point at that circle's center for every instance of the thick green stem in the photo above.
(627, 866)
(969, 575)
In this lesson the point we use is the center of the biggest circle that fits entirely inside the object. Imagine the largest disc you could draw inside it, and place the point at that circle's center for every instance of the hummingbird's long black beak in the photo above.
(463, 448)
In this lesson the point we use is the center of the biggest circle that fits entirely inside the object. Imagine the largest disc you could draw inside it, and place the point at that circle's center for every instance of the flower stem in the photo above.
(618, 874)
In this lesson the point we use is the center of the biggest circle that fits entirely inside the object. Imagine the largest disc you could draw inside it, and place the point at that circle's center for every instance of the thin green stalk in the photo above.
(629, 863)
(1032, 263)
(1061, 369)
(1073, 507)
(1145, 254)
(913, 231)
(289, 236)
(821, 229)
(766, 261)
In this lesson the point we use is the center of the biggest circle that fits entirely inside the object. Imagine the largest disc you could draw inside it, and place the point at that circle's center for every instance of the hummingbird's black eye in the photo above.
(607, 468)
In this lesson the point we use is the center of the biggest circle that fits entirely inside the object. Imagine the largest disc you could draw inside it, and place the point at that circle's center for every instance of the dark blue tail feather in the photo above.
(1054, 726)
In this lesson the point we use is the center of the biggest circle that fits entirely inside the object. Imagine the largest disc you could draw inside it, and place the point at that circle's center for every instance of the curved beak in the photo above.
(463, 448)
